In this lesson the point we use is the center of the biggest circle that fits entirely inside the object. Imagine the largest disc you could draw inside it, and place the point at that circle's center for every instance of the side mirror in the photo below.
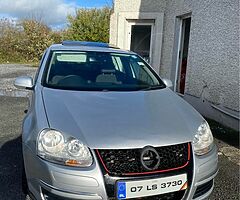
(24, 82)
(168, 82)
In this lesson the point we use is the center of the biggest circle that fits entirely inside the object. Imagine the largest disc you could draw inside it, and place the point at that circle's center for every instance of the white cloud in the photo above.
(52, 12)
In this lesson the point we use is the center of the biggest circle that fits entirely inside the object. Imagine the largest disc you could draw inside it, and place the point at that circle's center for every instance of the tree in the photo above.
(37, 37)
(10, 36)
(25, 40)
(89, 25)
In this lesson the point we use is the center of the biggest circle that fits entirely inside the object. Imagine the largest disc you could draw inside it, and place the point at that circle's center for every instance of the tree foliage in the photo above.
(9, 40)
(89, 25)
(25, 40)
(37, 37)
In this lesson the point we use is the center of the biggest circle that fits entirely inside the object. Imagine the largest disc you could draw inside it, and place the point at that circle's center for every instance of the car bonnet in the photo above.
(111, 120)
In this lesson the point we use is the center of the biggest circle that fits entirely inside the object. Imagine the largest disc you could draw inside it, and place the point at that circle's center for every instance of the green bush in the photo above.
(10, 37)
(25, 40)
(89, 25)
(36, 38)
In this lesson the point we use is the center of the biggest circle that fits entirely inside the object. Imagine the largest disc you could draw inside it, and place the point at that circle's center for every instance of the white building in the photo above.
(195, 43)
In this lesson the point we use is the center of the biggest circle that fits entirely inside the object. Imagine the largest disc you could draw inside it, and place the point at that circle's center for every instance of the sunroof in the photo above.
(85, 43)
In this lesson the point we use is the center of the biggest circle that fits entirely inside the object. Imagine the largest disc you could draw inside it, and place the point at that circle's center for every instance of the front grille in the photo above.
(127, 162)
(202, 189)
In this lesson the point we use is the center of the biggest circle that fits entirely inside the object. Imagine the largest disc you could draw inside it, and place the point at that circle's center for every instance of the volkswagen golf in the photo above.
(101, 124)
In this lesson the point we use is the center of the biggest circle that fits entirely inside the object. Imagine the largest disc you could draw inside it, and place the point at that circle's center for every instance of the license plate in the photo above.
(151, 187)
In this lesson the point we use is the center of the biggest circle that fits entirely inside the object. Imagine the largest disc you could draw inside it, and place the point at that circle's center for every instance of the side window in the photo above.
(38, 70)
(140, 72)
(118, 64)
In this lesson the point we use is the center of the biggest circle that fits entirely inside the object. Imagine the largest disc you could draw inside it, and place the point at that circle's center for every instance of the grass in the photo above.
(13, 60)
(224, 133)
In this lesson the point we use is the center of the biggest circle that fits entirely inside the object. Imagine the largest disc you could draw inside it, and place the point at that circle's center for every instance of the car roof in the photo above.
(87, 46)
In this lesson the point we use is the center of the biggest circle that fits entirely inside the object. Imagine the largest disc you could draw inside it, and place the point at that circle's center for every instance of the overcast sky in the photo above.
(52, 12)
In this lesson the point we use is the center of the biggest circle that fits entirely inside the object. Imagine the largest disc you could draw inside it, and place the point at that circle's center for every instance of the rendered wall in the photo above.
(212, 83)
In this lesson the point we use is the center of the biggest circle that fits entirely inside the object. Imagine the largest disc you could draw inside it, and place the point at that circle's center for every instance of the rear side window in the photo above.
(141, 72)
(118, 63)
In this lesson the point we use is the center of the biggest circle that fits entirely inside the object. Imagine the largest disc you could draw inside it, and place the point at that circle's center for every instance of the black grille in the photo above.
(202, 189)
(127, 162)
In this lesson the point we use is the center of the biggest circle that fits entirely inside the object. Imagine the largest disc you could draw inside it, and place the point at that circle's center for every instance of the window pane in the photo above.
(99, 71)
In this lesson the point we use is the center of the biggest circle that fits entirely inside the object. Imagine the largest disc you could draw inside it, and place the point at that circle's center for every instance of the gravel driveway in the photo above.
(12, 113)
(8, 73)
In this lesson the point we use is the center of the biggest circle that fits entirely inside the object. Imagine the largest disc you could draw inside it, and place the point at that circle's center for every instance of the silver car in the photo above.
(103, 125)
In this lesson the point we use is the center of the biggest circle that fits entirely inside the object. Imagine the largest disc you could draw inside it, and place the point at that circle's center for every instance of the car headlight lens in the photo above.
(53, 146)
(203, 140)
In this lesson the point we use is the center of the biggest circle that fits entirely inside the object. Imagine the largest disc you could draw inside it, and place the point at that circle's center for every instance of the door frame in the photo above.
(180, 43)
(129, 36)
(123, 18)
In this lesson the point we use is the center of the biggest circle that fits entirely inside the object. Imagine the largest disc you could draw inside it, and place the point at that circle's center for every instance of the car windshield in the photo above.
(100, 71)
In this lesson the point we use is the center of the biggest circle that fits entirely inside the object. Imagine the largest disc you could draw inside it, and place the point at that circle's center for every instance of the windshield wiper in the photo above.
(153, 87)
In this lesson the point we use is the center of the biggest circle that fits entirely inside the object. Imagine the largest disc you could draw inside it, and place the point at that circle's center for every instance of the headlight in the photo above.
(203, 140)
(53, 146)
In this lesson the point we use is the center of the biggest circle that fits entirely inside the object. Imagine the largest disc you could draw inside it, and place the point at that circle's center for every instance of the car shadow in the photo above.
(11, 166)
(224, 133)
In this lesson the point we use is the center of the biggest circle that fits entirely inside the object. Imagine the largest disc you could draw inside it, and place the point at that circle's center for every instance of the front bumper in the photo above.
(48, 181)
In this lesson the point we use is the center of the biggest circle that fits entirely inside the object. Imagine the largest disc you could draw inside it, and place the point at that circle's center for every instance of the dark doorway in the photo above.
(183, 55)
(141, 40)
